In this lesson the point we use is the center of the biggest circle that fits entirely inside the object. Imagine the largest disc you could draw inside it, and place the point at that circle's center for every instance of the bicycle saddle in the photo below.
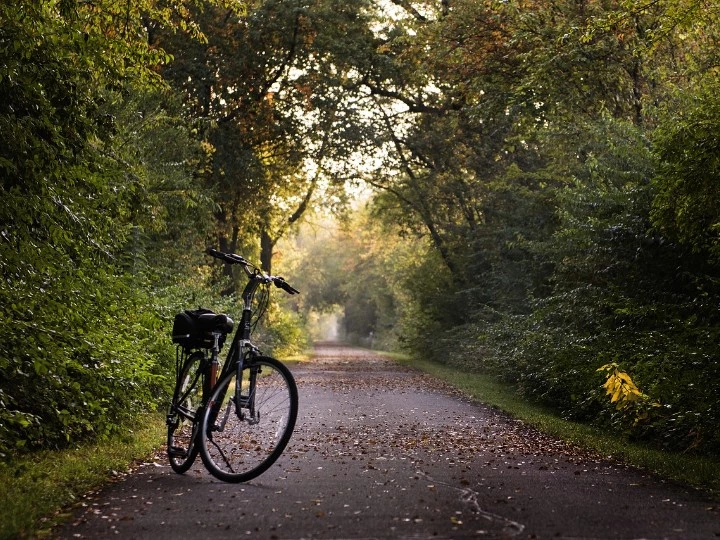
(215, 322)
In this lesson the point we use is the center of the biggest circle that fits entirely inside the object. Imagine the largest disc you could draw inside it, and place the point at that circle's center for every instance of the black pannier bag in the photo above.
(191, 332)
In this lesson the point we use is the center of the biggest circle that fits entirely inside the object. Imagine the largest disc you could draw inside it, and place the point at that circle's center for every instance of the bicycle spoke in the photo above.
(222, 454)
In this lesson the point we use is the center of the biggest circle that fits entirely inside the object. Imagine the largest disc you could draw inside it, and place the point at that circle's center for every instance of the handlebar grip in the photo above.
(285, 286)
(235, 259)
(290, 289)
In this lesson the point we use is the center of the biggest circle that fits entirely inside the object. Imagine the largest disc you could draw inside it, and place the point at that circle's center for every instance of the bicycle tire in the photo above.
(236, 447)
(183, 417)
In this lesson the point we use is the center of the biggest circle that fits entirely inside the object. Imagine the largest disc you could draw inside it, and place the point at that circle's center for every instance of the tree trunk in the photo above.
(267, 244)
(229, 245)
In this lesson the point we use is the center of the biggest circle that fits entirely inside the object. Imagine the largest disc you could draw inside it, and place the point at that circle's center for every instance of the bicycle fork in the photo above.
(247, 401)
(242, 402)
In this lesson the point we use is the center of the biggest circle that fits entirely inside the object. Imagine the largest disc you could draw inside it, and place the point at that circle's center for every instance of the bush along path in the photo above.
(382, 451)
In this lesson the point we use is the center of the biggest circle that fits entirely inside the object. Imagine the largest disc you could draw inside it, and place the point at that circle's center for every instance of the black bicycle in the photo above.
(239, 415)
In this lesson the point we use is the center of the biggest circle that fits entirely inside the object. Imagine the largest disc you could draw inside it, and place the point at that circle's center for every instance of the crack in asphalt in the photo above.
(469, 497)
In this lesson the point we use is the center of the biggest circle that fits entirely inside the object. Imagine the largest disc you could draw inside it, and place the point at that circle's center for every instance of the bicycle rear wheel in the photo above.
(245, 429)
(183, 421)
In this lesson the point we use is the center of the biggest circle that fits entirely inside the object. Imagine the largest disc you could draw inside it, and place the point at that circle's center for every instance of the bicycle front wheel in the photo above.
(247, 424)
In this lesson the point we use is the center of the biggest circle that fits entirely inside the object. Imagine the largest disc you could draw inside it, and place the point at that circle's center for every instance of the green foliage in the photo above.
(88, 174)
(82, 360)
(619, 290)
(686, 208)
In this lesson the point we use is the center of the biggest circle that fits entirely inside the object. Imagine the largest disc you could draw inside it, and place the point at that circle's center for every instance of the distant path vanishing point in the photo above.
(382, 451)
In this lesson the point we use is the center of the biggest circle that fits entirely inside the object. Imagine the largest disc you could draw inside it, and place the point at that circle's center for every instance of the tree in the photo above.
(267, 87)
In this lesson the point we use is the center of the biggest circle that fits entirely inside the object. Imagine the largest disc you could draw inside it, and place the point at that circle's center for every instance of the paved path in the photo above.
(384, 452)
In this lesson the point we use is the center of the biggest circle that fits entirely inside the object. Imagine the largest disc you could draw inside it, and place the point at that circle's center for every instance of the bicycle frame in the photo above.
(241, 351)
(241, 348)
(241, 340)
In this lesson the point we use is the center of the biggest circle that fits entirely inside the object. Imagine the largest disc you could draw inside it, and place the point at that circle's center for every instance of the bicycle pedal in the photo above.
(176, 451)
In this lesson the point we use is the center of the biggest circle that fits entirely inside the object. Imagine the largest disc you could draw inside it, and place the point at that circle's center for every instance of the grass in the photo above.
(701, 472)
(36, 486)
(296, 358)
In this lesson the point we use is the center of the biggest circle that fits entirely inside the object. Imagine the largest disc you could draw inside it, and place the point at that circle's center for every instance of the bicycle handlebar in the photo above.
(229, 258)
(232, 258)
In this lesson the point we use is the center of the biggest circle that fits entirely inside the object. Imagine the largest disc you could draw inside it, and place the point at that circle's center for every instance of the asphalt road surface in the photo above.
(381, 451)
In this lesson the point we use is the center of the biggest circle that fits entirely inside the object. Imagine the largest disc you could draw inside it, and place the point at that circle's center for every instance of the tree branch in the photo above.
(273, 78)
(414, 106)
(407, 6)
(420, 206)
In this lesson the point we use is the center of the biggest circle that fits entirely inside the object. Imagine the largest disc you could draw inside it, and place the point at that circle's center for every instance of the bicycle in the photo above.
(239, 416)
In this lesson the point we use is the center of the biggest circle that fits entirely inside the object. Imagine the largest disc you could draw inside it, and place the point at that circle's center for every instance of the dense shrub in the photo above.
(619, 291)
(91, 155)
